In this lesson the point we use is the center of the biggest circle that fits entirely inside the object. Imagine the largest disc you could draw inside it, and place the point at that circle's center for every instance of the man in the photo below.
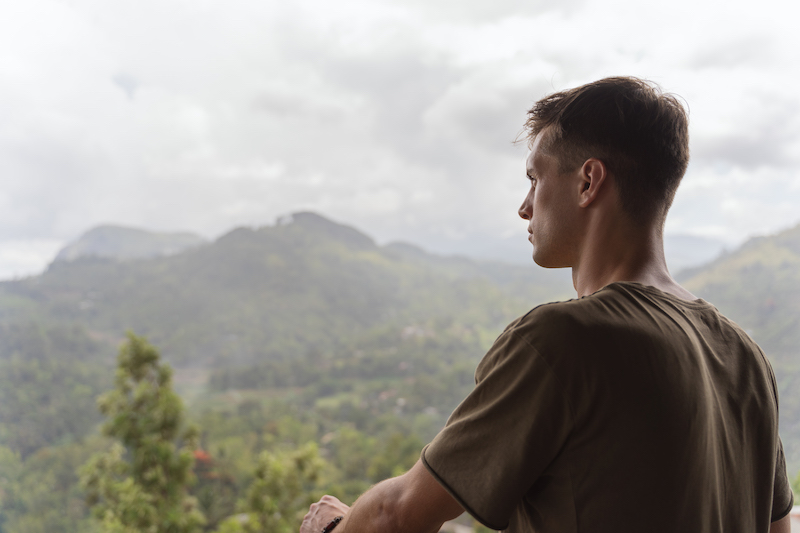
(634, 408)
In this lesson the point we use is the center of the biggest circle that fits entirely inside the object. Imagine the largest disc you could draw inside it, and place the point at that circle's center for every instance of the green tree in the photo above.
(140, 484)
(283, 489)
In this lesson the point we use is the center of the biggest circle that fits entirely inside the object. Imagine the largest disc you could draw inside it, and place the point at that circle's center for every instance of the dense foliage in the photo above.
(49, 379)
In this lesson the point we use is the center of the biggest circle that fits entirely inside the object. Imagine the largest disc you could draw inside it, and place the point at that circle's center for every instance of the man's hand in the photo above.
(321, 513)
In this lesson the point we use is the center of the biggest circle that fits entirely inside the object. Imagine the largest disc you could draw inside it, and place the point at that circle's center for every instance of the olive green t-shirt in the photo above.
(630, 410)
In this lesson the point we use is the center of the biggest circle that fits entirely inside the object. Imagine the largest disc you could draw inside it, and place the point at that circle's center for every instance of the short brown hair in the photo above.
(639, 132)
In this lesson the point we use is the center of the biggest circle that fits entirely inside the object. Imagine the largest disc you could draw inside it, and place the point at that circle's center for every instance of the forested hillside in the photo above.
(306, 331)
(274, 292)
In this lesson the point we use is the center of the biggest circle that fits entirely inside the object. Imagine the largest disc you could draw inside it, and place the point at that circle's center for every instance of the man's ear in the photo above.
(593, 175)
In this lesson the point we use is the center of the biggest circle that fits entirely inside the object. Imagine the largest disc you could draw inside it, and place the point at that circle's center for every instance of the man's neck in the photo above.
(627, 254)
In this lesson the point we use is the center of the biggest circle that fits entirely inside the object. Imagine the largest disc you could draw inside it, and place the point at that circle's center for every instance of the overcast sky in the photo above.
(395, 116)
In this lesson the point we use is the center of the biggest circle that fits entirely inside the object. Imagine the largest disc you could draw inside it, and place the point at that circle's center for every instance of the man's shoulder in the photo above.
(602, 307)
(560, 333)
(555, 329)
(620, 314)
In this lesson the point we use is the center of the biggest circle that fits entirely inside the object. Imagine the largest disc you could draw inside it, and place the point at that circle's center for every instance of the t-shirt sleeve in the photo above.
(504, 434)
(782, 496)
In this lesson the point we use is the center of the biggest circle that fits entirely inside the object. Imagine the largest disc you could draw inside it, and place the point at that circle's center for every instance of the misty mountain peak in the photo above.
(326, 227)
(123, 243)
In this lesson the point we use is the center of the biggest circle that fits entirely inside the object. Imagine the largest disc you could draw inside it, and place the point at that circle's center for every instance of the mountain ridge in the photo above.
(274, 290)
(125, 243)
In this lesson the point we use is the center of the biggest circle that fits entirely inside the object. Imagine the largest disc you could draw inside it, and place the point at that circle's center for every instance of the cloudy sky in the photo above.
(396, 116)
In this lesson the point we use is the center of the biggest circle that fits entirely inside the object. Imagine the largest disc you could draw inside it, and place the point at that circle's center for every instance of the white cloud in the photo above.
(21, 258)
(393, 115)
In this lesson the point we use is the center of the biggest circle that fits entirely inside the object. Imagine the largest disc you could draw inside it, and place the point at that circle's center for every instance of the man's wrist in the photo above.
(332, 524)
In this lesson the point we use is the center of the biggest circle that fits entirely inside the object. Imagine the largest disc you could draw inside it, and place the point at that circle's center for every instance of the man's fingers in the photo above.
(321, 513)
(331, 502)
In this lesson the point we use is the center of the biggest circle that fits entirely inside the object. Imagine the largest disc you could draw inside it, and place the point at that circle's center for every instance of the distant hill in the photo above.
(306, 283)
(117, 242)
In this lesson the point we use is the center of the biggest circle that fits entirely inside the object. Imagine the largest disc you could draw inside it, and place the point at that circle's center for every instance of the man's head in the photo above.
(638, 132)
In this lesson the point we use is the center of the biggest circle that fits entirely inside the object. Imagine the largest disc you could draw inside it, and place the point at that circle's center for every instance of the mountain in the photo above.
(117, 242)
(306, 283)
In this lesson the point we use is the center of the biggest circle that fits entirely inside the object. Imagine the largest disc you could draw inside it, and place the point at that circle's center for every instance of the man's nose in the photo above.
(525, 210)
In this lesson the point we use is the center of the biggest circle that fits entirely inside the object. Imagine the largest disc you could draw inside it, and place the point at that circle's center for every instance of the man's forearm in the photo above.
(413, 502)
(376, 510)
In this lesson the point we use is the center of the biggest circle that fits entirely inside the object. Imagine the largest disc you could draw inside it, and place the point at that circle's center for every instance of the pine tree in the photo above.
(140, 484)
